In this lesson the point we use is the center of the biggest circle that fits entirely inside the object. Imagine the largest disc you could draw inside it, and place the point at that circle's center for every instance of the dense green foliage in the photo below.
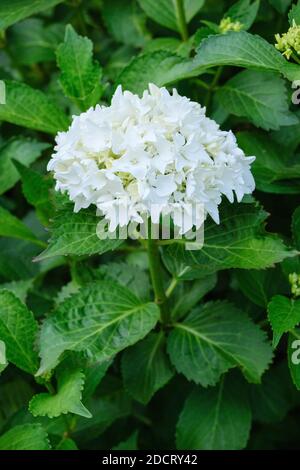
(86, 359)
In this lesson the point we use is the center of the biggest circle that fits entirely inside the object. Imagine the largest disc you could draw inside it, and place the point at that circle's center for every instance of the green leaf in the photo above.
(294, 357)
(18, 288)
(11, 226)
(16, 259)
(214, 338)
(164, 12)
(80, 76)
(36, 189)
(296, 227)
(76, 234)
(284, 315)
(261, 97)
(67, 444)
(159, 67)
(240, 241)
(260, 286)
(25, 437)
(280, 5)
(150, 359)
(125, 22)
(129, 444)
(240, 49)
(244, 11)
(294, 14)
(31, 42)
(275, 169)
(31, 108)
(18, 330)
(102, 318)
(215, 419)
(12, 11)
(21, 149)
(67, 399)
(274, 397)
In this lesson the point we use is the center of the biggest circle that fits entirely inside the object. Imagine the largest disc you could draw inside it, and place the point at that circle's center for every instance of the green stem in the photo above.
(171, 287)
(181, 20)
(294, 56)
(213, 86)
(157, 278)
(295, 334)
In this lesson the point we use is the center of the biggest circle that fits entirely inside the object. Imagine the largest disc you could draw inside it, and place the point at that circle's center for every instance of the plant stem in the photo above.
(157, 278)
(295, 334)
(172, 286)
(181, 20)
(294, 56)
(213, 86)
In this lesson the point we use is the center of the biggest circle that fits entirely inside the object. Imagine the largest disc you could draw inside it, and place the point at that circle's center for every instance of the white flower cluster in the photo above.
(154, 155)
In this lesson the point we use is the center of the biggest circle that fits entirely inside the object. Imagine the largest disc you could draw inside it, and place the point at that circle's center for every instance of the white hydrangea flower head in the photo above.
(154, 155)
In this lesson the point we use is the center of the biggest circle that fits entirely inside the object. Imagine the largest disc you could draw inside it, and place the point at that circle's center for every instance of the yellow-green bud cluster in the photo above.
(294, 280)
(227, 24)
(289, 43)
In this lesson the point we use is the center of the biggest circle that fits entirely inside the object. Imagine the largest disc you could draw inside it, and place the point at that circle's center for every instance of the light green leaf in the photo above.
(102, 318)
(76, 234)
(25, 437)
(36, 189)
(240, 241)
(294, 14)
(31, 42)
(275, 169)
(18, 288)
(11, 226)
(240, 49)
(67, 444)
(31, 108)
(80, 76)
(284, 315)
(244, 11)
(21, 149)
(67, 399)
(214, 338)
(12, 11)
(215, 419)
(150, 359)
(18, 330)
(159, 67)
(125, 22)
(261, 97)
(165, 13)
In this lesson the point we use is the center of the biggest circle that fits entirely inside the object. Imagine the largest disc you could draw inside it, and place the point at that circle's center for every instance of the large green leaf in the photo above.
(125, 22)
(165, 13)
(20, 149)
(284, 315)
(76, 234)
(215, 419)
(275, 169)
(159, 67)
(240, 241)
(80, 76)
(12, 11)
(215, 338)
(261, 97)
(31, 42)
(294, 14)
(16, 259)
(102, 318)
(11, 226)
(31, 108)
(25, 437)
(150, 359)
(240, 49)
(67, 399)
(18, 330)
(36, 189)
